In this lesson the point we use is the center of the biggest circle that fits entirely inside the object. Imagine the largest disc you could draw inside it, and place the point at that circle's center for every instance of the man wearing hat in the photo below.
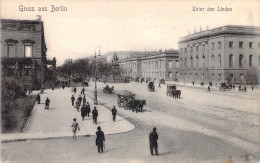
(153, 137)
(72, 100)
(114, 111)
(75, 126)
(95, 115)
(100, 139)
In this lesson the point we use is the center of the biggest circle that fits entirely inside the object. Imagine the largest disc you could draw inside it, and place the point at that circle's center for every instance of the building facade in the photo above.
(228, 54)
(23, 52)
(154, 65)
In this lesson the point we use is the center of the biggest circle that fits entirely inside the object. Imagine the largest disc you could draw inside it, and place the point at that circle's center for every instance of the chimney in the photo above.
(39, 17)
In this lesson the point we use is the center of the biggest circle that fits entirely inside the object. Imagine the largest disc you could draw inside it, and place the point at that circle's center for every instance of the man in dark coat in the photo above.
(83, 112)
(84, 100)
(38, 98)
(47, 103)
(83, 91)
(79, 99)
(95, 115)
(88, 110)
(114, 111)
(153, 137)
(72, 100)
(75, 90)
(100, 139)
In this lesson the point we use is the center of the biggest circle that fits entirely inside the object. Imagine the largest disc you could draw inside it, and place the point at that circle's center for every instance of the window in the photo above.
(241, 45)
(231, 76)
(231, 60)
(250, 45)
(196, 76)
(203, 47)
(213, 61)
(212, 46)
(219, 45)
(177, 64)
(250, 60)
(170, 64)
(190, 75)
(202, 76)
(219, 60)
(185, 62)
(212, 77)
(203, 61)
(28, 50)
(231, 44)
(185, 50)
(242, 78)
(198, 61)
(10, 50)
(197, 48)
(191, 49)
(241, 59)
(191, 62)
(219, 76)
(170, 75)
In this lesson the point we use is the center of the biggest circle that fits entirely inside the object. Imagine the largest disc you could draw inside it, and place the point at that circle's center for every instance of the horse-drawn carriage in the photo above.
(224, 86)
(128, 101)
(108, 89)
(172, 91)
(151, 86)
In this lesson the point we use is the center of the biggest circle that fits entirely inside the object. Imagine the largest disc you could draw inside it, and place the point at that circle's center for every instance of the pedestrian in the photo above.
(77, 105)
(252, 88)
(208, 89)
(95, 115)
(84, 100)
(234, 87)
(193, 83)
(100, 139)
(38, 98)
(153, 137)
(79, 99)
(88, 110)
(114, 112)
(83, 91)
(245, 88)
(159, 85)
(72, 100)
(75, 127)
(83, 112)
(63, 86)
(75, 90)
(47, 103)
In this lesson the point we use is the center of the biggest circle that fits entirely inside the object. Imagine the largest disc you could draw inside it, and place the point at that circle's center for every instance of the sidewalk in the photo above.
(56, 122)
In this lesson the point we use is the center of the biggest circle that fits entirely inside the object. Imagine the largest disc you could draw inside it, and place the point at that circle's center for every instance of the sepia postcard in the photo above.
(130, 81)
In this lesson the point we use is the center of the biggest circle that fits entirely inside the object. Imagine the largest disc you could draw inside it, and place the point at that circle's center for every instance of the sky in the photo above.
(126, 25)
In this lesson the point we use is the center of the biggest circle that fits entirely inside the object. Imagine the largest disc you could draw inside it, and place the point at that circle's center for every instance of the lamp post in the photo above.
(95, 92)
(70, 62)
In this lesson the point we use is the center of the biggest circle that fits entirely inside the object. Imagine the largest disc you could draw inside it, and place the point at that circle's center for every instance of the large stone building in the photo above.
(23, 52)
(227, 54)
(155, 65)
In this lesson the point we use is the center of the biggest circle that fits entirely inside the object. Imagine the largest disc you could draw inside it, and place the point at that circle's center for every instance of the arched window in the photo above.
(213, 60)
(241, 59)
(185, 62)
(251, 60)
(198, 61)
(181, 62)
(203, 61)
(219, 60)
(170, 74)
(191, 62)
(231, 60)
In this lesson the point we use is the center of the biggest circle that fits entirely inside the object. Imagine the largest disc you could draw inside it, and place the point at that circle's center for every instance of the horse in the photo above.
(137, 105)
(176, 93)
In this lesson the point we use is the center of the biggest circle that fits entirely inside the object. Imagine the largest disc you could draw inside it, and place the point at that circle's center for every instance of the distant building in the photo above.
(228, 54)
(154, 65)
(23, 52)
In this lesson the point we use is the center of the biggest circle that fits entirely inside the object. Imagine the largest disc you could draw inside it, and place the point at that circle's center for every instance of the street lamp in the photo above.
(95, 92)
(70, 62)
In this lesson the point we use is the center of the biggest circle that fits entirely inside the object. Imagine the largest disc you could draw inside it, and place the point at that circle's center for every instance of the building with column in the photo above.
(155, 65)
(23, 52)
(228, 54)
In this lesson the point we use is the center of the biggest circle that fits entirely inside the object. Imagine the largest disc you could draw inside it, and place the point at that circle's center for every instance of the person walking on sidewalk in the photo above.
(84, 100)
(95, 115)
(153, 137)
(47, 103)
(77, 105)
(88, 110)
(72, 100)
(83, 112)
(208, 89)
(82, 91)
(159, 85)
(75, 127)
(38, 98)
(100, 139)
(79, 99)
(114, 112)
(75, 90)
(252, 88)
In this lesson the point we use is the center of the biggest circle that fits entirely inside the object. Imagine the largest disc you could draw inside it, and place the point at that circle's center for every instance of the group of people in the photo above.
(47, 101)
